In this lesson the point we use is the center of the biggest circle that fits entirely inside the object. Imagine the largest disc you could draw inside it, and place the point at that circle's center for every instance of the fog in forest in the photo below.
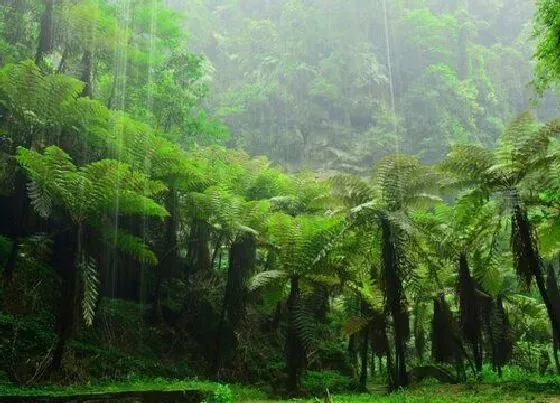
(221, 201)
(308, 83)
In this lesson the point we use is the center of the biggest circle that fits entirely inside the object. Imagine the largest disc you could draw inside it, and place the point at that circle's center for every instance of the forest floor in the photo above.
(439, 393)
(511, 391)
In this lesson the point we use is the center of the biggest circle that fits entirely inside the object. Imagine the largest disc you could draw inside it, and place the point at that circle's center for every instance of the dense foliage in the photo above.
(334, 85)
(136, 241)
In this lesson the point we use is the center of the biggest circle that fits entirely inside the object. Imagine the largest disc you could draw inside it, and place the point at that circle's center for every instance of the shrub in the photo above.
(317, 381)
(222, 394)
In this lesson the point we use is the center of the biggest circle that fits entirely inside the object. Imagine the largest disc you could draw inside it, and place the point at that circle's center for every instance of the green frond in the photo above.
(264, 278)
(40, 198)
(126, 242)
(90, 283)
(36, 98)
(403, 182)
(355, 324)
(301, 320)
(103, 186)
(351, 190)
(468, 165)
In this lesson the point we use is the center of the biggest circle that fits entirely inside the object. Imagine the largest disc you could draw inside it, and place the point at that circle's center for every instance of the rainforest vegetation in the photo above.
(293, 197)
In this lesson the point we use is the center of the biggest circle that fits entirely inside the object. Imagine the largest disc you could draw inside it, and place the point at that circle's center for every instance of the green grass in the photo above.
(240, 393)
(515, 386)
(480, 393)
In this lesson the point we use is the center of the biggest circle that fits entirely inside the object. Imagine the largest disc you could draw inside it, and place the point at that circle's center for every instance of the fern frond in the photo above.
(264, 278)
(355, 324)
(90, 282)
(302, 321)
(40, 198)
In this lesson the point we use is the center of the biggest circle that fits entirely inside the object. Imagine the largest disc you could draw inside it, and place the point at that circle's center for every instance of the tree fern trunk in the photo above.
(295, 349)
(555, 352)
(242, 261)
(395, 302)
(19, 205)
(65, 250)
(471, 326)
(527, 259)
(419, 333)
(539, 277)
(199, 256)
(364, 358)
(167, 253)
(353, 353)
(554, 294)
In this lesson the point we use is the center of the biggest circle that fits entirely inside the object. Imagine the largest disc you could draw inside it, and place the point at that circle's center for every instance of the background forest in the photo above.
(307, 83)
(295, 194)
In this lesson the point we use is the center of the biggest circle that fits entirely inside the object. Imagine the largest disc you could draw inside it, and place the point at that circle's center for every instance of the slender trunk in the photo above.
(46, 33)
(87, 74)
(167, 253)
(65, 250)
(199, 256)
(11, 263)
(19, 206)
(395, 302)
(276, 317)
(112, 94)
(391, 376)
(528, 259)
(555, 352)
(295, 348)
(353, 353)
(217, 249)
(419, 332)
(364, 358)
(62, 65)
(471, 326)
(554, 295)
(539, 277)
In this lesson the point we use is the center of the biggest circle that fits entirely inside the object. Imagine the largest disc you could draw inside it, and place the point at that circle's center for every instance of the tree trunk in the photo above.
(242, 261)
(62, 65)
(87, 74)
(395, 302)
(19, 206)
(555, 352)
(46, 33)
(199, 256)
(353, 353)
(295, 348)
(65, 250)
(528, 261)
(539, 277)
(167, 256)
(364, 358)
(419, 332)
(554, 295)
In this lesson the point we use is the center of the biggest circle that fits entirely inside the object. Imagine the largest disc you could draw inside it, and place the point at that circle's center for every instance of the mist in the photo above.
(307, 83)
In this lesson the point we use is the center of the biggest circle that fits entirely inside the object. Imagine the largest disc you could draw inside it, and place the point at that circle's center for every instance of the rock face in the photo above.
(186, 396)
